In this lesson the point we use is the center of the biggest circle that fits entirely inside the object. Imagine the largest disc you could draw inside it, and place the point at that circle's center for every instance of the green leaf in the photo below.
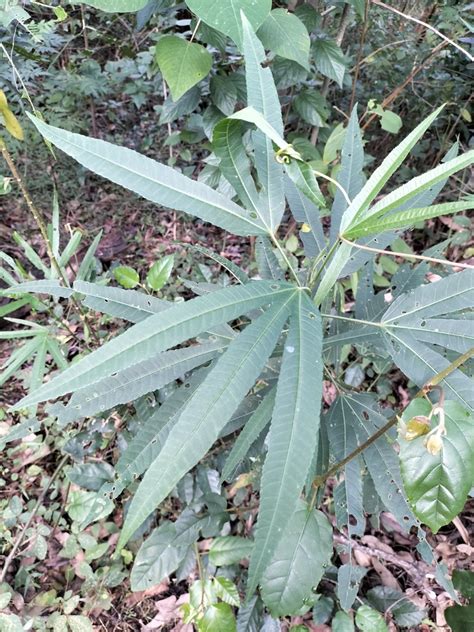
(228, 550)
(159, 332)
(303, 176)
(390, 122)
(126, 276)
(464, 582)
(152, 180)
(381, 175)
(91, 475)
(250, 433)
(460, 618)
(223, 93)
(262, 95)
(227, 591)
(160, 272)
(137, 380)
(284, 34)
(369, 620)
(292, 440)
(305, 212)
(290, 579)
(218, 617)
(342, 622)
(44, 286)
(312, 107)
(183, 64)
(350, 176)
(329, 60)
(127, 304)
(227, 264)
(267, 262)
(225, 15)
(404, 219)
(208, 411)
(348, 583)
(419, 184)
(406, 613)
(162, 552)
(116, 6)
(437, 486)
(234, 162)
(19, 431)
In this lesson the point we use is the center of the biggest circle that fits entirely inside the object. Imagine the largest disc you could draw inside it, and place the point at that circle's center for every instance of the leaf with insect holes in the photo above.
(183, 64)
(160, 272)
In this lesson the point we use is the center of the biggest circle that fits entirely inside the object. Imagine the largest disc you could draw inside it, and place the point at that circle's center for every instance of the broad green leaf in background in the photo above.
(116, 6)
(227, 591)
(163, 550)
(218, 617)
(162, 331)
(223, 93)
(289, 580)
(151, 179)
(311, 106)
(225, 15)
(369, 620)
(183, 64)
(126, 276)
(292, 439)
(208, 411)
(284, 34)
(437, 486)
(226, 550)
(160, 272)
(342, 622)
(329, 60)
(263, 97)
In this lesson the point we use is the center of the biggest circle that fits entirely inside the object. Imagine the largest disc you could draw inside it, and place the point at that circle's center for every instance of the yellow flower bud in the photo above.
(434, 444)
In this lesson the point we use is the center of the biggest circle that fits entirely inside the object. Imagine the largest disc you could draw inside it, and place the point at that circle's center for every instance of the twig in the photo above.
(39, 502)
(399, 89)
(406, 16)
(404, 255)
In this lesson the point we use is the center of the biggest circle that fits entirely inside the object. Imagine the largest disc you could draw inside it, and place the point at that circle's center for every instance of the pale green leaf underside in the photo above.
(292, 438)
(208, 411)
(284, 34)
(160, 332)
(152, 180)
(296, 569)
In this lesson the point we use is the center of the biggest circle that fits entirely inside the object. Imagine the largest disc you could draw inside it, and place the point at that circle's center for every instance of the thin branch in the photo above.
(433, 382)
(404, 255)
(406, 16)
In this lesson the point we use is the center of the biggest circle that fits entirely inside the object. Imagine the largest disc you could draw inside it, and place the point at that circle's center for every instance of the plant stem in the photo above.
(404, 255)
(39, 502)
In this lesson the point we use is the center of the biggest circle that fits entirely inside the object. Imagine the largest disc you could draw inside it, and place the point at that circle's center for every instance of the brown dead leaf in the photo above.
(387, 578)
(136, 597)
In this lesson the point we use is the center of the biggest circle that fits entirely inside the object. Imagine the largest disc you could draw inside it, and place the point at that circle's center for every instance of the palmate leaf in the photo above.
(267, 263)
(152, 180)
(298, 565)
(437, 486)
(208, 411)
(263, 96)
(304, 211)
(293, 435)
(159, 332)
